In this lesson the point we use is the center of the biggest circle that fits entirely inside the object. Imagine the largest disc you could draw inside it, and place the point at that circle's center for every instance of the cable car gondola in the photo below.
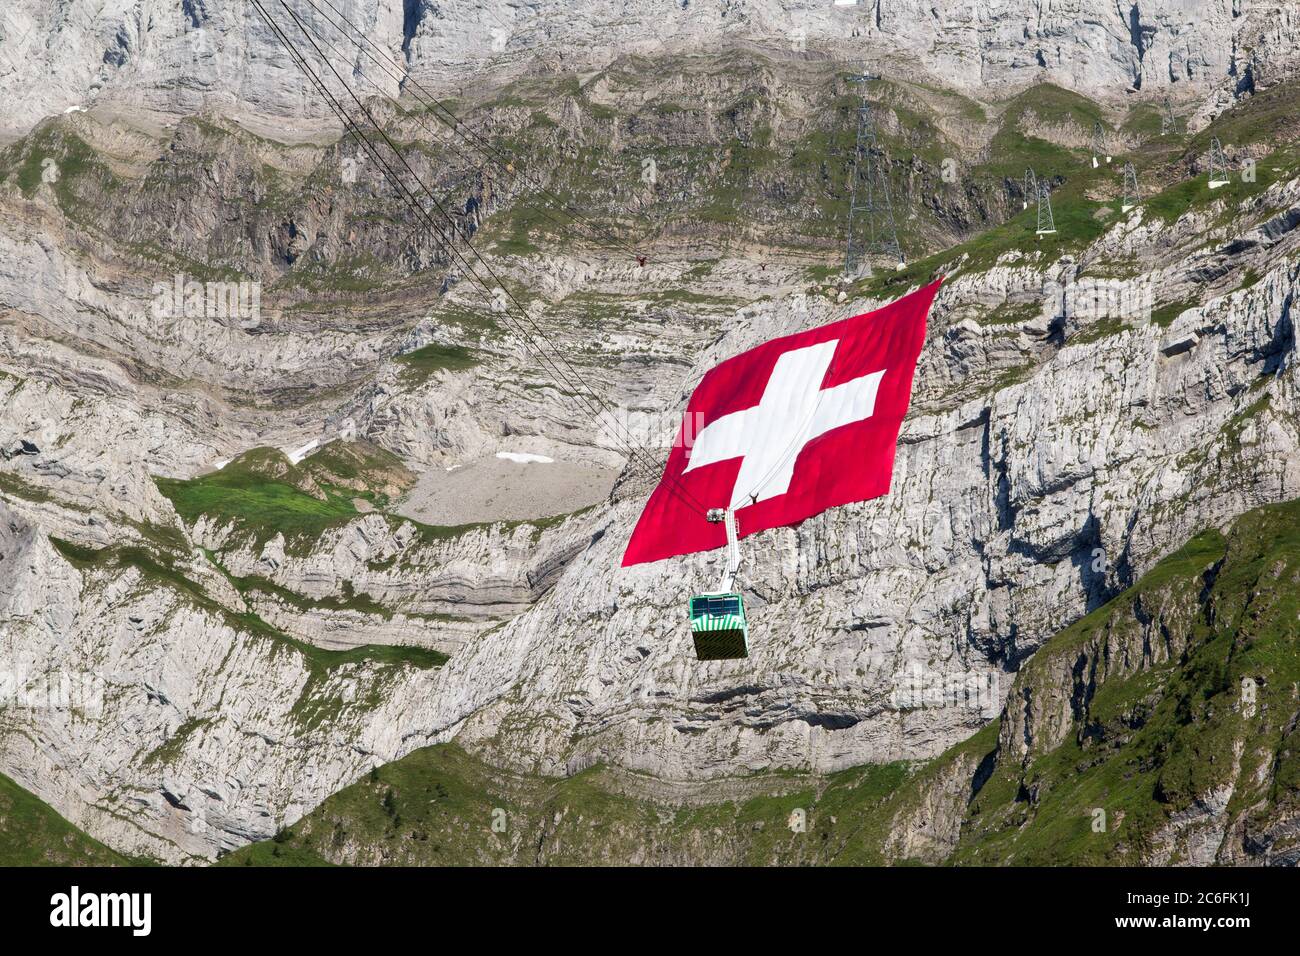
(718, 622)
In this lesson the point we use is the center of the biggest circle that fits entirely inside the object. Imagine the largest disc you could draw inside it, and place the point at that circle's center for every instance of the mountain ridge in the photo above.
(252, 629)
(159, 58)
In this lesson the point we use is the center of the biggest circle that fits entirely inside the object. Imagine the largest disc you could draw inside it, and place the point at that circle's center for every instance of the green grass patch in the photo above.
(1155, 741)
(1165, 315)
(245, 493)
(32, 833)
(419, 365)
(54, 155)
(438, 805)
(350, 601)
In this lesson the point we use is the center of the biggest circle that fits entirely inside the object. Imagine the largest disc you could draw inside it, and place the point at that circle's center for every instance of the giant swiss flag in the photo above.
(788, 429)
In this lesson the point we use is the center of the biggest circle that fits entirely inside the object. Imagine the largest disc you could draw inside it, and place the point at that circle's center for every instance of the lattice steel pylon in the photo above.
(1046, 221)
(1131, 195)
(1031, 188)
(1098, 145)
(1218, 165)
(1168, 124)
(869, 198)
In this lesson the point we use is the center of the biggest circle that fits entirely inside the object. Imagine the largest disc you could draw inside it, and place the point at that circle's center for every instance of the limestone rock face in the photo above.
(988, 544)
(163, 740)
(1050, 456)
(177, 59)
(1010, 517)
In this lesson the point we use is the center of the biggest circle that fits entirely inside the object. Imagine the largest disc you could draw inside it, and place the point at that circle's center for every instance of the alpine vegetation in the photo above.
(663, 433)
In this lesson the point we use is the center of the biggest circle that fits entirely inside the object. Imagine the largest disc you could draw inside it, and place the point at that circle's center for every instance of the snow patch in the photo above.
(524, 457)
(304, 451)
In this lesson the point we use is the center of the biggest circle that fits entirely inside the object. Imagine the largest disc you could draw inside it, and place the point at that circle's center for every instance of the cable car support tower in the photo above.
(1099, 146)
(1046, 221)
(1168, 122)
(869, 197)
(1218, 165)
(1131, 195)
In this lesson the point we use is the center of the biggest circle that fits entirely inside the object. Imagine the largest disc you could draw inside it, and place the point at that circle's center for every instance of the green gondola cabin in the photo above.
(719, 627)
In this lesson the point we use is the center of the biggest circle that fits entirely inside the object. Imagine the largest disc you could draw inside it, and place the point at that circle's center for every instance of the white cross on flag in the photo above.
(797, 425)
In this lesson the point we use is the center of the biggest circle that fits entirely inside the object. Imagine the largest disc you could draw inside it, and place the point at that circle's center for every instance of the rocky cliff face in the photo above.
(254, 640)
(1159, 729)
(178, 59)
(989, 543)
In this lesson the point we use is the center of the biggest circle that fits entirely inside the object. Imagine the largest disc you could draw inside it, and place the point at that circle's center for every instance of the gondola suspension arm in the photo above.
(728, 518)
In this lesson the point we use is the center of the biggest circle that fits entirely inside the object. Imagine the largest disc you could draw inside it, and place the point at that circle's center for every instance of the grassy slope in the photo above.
(417, 366)
(1168, 183)
(1150, 744)
(722, 168)
(262, 493)
(1145, 741)
(437, 807)
(33, 834)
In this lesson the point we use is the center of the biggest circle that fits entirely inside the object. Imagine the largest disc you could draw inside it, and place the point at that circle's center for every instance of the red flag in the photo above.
(788, 429)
